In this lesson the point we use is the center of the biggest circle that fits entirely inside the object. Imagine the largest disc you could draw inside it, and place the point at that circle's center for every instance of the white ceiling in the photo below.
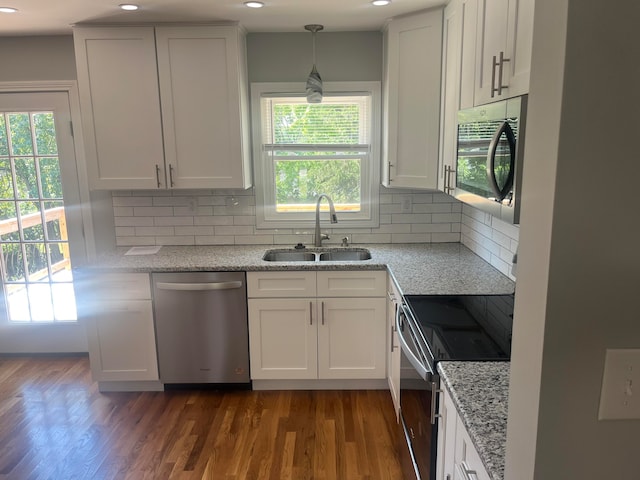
(54, 17)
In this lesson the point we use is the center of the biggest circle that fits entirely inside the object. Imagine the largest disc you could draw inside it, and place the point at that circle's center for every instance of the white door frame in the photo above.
(48, 338)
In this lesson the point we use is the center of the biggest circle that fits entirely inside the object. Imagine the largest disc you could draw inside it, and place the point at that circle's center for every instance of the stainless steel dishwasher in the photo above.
(201, 327)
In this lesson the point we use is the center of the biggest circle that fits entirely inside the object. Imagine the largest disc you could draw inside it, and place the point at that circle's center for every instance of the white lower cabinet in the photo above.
(394, 354)
(457, 458)
(312, 337)
(118, 314)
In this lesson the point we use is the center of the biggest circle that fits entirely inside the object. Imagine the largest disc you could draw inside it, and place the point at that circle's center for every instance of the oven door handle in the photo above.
(420, 367)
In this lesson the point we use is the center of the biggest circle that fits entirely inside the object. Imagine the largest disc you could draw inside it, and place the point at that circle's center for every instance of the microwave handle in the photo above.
(491, 160)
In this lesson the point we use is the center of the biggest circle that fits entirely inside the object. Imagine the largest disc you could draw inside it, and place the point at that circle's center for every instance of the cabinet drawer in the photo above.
(281, 284)
(120, 286)
(361, 283)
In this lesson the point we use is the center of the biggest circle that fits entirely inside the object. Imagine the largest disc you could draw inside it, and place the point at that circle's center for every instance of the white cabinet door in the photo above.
(351, 338)
(450, 94)
(412, 100)
(448, 421)
(197, 74)
(394, 353)
(118, 86)
(503, 50)
(468, 21)
(122, 341)
(118, 313)
(467, 461)
(283, 338)
(202, 95)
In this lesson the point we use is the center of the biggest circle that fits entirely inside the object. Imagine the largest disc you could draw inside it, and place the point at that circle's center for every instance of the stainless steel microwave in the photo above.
(490, 146)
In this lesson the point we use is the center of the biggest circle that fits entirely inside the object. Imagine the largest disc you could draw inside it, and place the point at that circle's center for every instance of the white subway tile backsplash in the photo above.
(134, 221)
(154, 231)
(445, 237)
(172, 221)
(153, 211)
(422, 198)
(218, 220)
(233, 230)
(371, 238)
(411, 218)
(446, 218)
(203, 230)
(123, 211)
(254, 239)
(176, 240)
(132, 201)
(214, 240)
(431, 228)
(227, 217)
(125, 231)
(410, 238)
(432, 208)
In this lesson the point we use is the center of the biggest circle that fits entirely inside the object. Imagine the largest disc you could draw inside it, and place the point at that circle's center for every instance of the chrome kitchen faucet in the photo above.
(332, 215)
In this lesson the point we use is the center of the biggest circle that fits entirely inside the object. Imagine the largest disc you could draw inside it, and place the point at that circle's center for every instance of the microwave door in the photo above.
(501, 161)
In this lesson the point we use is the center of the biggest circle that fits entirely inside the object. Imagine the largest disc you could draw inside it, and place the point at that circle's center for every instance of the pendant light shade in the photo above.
(314, 82)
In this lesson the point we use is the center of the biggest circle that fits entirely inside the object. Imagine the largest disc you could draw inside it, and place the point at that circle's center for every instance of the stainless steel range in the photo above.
(436, 328)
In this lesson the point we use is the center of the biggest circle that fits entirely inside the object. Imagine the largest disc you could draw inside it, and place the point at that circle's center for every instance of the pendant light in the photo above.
(314, 82)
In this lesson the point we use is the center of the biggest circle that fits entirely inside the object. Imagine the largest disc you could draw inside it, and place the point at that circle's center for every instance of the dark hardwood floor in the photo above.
(54, 424)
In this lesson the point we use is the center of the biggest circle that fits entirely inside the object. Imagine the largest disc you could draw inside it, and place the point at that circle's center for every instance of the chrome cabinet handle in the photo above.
(447, 179)
(392, 345)
(434, 393)
(467, 472)
(499, 64)
(158, 175)
(310, 313)
(171, 175)
(389, 165)
(322, 313)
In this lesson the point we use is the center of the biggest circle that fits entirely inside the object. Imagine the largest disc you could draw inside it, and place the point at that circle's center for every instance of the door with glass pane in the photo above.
(40, 225)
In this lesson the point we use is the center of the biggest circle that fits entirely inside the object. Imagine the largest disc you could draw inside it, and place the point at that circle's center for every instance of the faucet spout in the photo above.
(332, 216)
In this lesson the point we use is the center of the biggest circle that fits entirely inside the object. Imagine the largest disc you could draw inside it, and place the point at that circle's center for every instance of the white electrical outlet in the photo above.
(620, 396)
(192, 204)
(406, 204)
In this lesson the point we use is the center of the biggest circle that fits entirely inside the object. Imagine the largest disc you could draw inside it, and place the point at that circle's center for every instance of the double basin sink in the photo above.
(328, 255)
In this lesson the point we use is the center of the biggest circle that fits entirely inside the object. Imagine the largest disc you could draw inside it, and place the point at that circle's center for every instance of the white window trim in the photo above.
(371, 177)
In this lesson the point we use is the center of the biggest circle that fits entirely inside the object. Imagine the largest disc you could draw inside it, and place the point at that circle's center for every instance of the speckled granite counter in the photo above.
(480, 391)
(419, 269)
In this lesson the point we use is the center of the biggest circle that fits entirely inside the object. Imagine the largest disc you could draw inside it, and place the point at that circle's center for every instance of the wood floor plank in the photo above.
(55, 424)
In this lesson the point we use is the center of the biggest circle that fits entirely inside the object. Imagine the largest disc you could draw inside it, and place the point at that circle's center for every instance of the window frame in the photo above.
(268, 218)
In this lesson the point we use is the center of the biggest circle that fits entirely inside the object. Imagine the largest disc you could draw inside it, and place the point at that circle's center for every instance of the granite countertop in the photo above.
(480, 392)
(418, 269)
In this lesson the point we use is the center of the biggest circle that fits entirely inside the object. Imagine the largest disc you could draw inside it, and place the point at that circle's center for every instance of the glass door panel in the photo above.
(36, 265)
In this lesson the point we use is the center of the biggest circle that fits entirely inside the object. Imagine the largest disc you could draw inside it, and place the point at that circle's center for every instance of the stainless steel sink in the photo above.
(289, 256)
(350, 255)
(345, 255)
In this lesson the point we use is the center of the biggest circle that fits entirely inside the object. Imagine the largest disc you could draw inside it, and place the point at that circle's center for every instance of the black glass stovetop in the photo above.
(465, 327)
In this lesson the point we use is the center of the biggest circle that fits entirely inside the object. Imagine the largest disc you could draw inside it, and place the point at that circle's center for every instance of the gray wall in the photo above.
(577, 276)
(340, 56)
(49, 58)
(37, 58)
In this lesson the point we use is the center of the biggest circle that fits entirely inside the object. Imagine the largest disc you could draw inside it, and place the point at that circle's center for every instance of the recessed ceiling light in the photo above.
(254, 4)
(8, 10)
(381, 3)
(129, 7)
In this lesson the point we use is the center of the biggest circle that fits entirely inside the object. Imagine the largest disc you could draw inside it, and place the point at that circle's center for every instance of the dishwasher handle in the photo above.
(199, 286)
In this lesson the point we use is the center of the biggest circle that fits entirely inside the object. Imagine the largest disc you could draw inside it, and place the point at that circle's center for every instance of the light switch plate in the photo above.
(620, 395)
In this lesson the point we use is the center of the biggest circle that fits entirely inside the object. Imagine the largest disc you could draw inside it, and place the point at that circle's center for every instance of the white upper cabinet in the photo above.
(164, 107)
(503, 49)
(411, 122)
